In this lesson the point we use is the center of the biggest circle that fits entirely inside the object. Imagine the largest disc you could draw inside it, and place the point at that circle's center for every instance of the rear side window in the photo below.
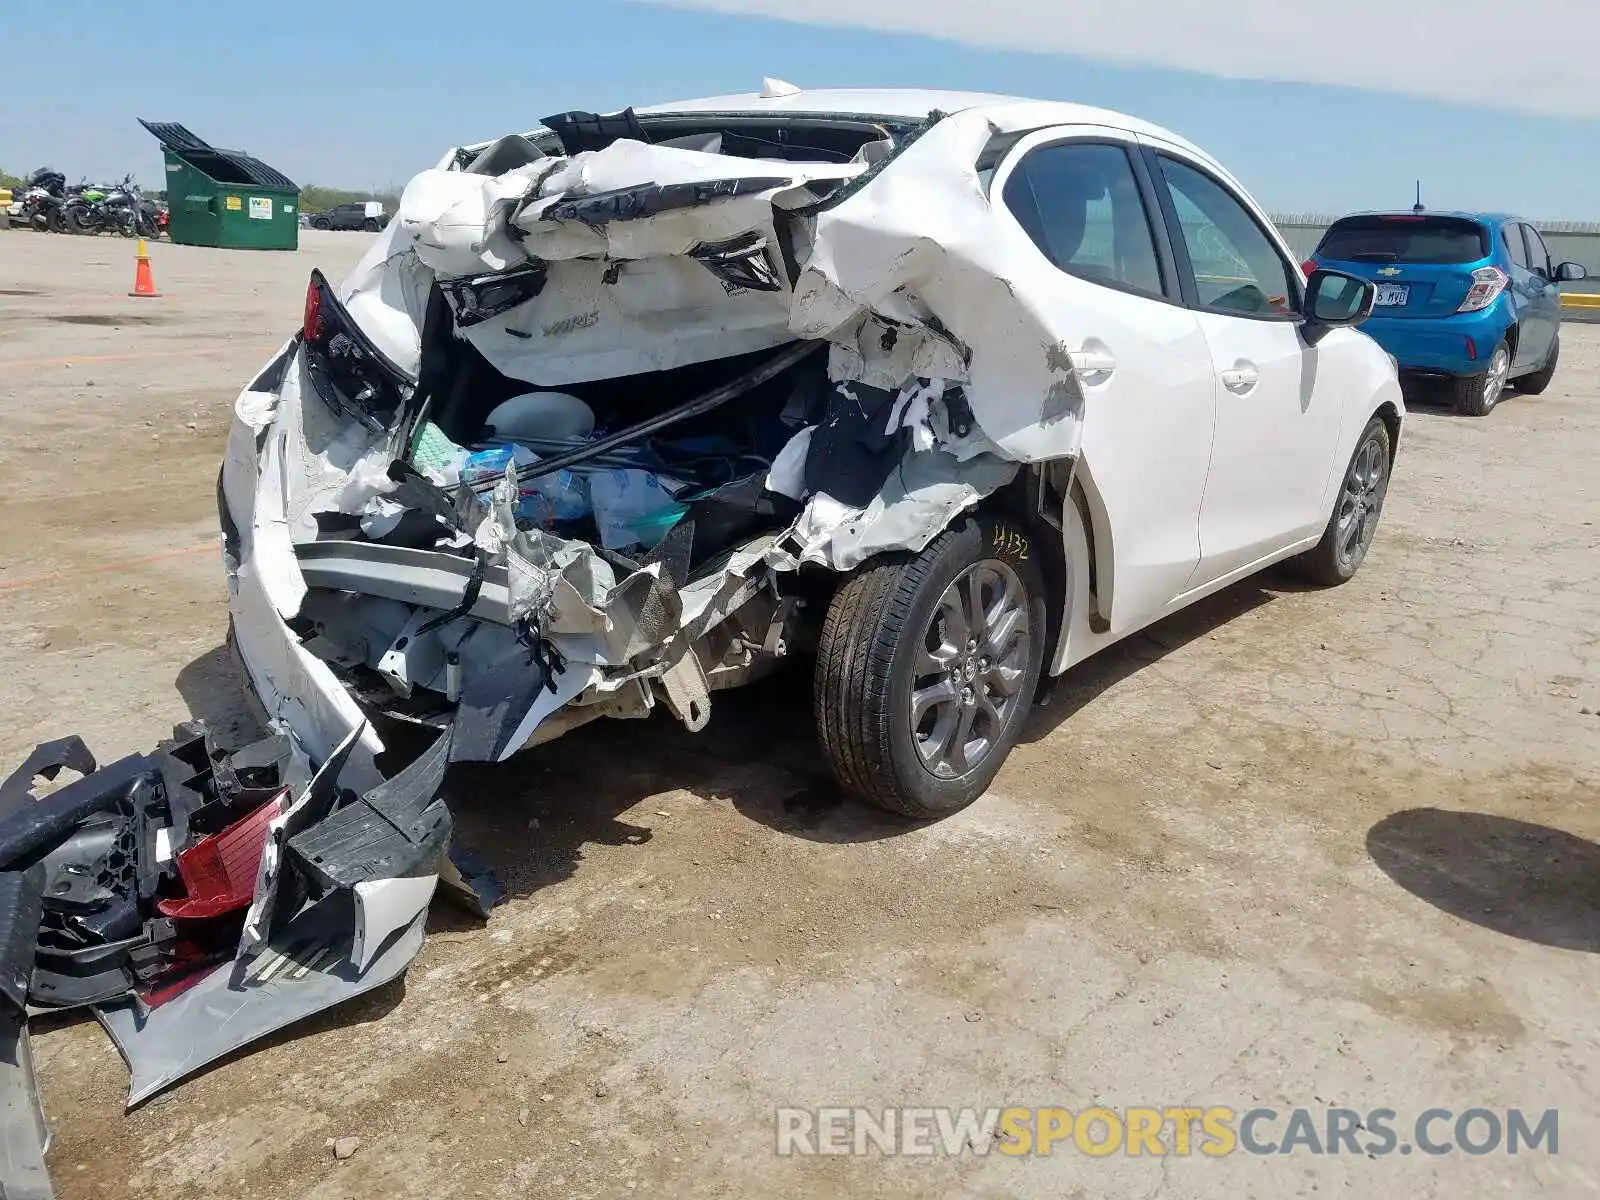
(1406, 239)
(1538, 254)
(1080, 204)
(1515, 246)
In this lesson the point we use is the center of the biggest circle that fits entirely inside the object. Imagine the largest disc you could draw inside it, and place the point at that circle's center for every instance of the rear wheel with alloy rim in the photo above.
(1477, 394)
(928, 665)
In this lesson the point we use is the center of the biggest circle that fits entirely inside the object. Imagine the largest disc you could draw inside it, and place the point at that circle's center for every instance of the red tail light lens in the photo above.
(1309, 266)
(312, 325)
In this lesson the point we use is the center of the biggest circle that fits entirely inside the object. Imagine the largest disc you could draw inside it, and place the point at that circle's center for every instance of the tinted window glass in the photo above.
(1405, 239)
(1538, 255)
(1236, 267)
(1081, 206)
(1515, 246)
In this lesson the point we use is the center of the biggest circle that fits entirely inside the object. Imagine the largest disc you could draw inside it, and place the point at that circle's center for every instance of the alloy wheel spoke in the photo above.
(1003, 680)
(958, 749)
(934, 662)
(1002, 631)
(972, 594)
(953, 614)
(923, 699)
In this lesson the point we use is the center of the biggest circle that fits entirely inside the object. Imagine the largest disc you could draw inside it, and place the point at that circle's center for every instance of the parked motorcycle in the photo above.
(82, 210)
(149, 217)
(113, 209)
(42, 202)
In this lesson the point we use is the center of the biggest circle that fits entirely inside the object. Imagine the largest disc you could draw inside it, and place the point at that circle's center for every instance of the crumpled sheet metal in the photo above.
(918, 282)
(924, 234)
(913, 507)
(914, 276)
(669, 311)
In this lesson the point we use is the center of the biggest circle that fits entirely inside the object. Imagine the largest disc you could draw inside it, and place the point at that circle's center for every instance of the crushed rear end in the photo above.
(606, 408)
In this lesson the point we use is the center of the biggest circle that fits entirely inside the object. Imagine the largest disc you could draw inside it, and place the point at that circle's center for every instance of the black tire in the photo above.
(879, 620)
(1330, 562)
(1535, 384)
(370, 226)
(319, 223)
(1472, 398)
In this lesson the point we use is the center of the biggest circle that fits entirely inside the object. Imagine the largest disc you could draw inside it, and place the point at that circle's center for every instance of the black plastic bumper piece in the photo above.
(396, 830)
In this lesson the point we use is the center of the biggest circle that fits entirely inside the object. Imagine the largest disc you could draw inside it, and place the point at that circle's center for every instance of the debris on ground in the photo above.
(195, 900)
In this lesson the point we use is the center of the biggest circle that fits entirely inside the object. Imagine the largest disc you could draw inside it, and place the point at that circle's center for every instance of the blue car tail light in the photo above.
(1487, 284)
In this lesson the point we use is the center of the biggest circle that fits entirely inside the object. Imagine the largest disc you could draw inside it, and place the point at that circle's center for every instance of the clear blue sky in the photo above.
(351, 96)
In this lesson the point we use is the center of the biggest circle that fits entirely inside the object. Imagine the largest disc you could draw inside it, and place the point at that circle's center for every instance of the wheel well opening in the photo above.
(1390, 416)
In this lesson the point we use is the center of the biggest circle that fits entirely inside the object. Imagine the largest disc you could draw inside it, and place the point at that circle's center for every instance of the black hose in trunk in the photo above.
(699, 406)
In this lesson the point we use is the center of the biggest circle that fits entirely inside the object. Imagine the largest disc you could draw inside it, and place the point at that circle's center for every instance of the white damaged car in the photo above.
(937, 392)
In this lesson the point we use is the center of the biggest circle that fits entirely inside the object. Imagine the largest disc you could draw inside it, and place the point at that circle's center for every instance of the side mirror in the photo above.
(1571, 272)
(1334, 299)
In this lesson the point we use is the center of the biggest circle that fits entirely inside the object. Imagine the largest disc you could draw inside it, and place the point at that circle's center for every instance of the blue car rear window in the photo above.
(1406, 239)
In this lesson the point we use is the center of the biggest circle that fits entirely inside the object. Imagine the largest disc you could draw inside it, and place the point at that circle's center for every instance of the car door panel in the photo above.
(1544, 300)
(1137, 354)
(1524, 291)
(1279, 415)
(1274, 445)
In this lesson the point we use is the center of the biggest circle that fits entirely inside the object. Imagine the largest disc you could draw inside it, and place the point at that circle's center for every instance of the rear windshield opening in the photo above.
(1405, 239)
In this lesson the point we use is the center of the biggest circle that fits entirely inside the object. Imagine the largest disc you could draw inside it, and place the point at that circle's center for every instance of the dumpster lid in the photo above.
(225, 166)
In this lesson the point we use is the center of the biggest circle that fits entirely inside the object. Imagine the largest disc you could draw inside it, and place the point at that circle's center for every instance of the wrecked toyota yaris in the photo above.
(941, 392)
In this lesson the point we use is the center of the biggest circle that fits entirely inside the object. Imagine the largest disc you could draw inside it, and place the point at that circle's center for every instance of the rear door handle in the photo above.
(1241, 379)
(1093, 366)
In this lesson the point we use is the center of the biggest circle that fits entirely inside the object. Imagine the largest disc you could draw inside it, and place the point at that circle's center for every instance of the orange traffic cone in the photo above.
(144, 283)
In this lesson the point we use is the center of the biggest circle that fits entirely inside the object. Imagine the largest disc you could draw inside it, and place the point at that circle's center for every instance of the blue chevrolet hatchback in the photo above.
(1472, 298)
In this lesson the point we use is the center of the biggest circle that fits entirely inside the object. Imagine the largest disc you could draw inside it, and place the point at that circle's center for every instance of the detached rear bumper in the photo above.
(1454, 345)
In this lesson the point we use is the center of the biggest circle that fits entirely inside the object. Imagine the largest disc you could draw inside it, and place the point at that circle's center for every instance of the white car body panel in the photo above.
(1275, 441)
(1150, 413)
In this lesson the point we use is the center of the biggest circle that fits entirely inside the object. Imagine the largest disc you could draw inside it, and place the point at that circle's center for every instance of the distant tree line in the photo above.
(315, 199)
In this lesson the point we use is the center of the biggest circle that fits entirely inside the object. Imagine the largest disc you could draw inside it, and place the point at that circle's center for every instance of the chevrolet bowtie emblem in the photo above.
(1390, 271)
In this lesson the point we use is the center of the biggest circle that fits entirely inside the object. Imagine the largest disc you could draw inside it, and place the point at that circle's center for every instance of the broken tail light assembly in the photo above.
(1487, 284)
(195, 900)
(352, 375)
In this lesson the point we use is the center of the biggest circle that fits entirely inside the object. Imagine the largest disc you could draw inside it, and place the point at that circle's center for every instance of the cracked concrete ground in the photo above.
(1288, 848)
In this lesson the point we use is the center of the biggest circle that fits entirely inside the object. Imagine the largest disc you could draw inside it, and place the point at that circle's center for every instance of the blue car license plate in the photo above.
(1392, 295)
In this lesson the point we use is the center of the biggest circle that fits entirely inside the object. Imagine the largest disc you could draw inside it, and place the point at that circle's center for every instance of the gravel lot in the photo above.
(1287, 848)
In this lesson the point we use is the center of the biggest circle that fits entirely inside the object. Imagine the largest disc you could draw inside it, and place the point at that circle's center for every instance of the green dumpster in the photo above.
(224, 197)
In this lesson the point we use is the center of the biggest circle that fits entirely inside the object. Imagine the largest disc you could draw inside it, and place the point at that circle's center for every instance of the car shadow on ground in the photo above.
(1066, 694)
(1523, 880)
(532, 816)
(213, 689)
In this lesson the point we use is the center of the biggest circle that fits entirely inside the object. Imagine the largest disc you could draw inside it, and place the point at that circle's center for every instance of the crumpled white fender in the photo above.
(924, 234)
(913, 507)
